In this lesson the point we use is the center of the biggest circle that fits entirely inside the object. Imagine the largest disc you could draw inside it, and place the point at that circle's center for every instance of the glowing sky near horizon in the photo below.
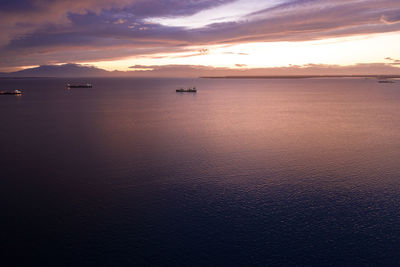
(117, 34)
(333, 51)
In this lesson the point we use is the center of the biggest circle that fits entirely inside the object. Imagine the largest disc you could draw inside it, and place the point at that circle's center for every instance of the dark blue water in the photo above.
(245, 172)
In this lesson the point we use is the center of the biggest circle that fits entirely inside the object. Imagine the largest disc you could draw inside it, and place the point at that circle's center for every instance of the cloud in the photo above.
(390, 20)
(233, 53)
(231, 11)
(35, 32)
(141, 68)
(393, 61)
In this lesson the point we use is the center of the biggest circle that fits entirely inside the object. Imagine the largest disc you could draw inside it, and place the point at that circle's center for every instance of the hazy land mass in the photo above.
(376, 70)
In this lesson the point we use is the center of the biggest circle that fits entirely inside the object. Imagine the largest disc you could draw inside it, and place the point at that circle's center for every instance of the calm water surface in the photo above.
(245, 172)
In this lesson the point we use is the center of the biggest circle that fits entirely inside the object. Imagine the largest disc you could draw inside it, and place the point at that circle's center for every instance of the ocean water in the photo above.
(245, 172)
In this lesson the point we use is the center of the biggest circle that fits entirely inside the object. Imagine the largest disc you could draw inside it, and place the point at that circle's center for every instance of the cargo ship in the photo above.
(187, 90)
(88, 85)
(15, 92)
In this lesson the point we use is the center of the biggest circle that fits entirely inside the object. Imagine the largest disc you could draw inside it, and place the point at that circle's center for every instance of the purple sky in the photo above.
(37, 32)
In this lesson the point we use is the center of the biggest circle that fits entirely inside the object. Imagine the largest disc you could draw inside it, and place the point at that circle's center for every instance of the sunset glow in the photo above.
(332, 51)
(128, 35)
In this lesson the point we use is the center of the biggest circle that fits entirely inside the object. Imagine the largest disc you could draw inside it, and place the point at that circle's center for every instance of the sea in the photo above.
(245, 172)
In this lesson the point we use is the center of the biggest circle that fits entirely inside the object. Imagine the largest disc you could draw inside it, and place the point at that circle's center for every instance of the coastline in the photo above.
(303, 77)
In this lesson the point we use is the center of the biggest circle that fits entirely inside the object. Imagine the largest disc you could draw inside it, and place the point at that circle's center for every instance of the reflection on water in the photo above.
(242, 172)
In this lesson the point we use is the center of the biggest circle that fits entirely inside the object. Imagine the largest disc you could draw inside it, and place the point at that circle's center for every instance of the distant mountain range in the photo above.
(193, 71)
(66, 70)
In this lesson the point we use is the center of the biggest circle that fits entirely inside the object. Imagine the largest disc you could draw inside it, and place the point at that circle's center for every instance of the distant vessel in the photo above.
(187, 90)
(88, 85)
(385, 81)
(15, 92)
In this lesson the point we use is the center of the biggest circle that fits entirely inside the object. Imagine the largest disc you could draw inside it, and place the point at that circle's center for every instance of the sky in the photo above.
(141, 35)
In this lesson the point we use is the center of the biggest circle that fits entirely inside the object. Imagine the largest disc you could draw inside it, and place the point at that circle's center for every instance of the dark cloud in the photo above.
(17, 6)
(141, 67)
(390, 18)
(393, 61)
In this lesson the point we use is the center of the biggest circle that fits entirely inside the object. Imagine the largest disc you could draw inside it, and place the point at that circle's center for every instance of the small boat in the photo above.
(88, 85)
(187, 90)
(15, 92)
